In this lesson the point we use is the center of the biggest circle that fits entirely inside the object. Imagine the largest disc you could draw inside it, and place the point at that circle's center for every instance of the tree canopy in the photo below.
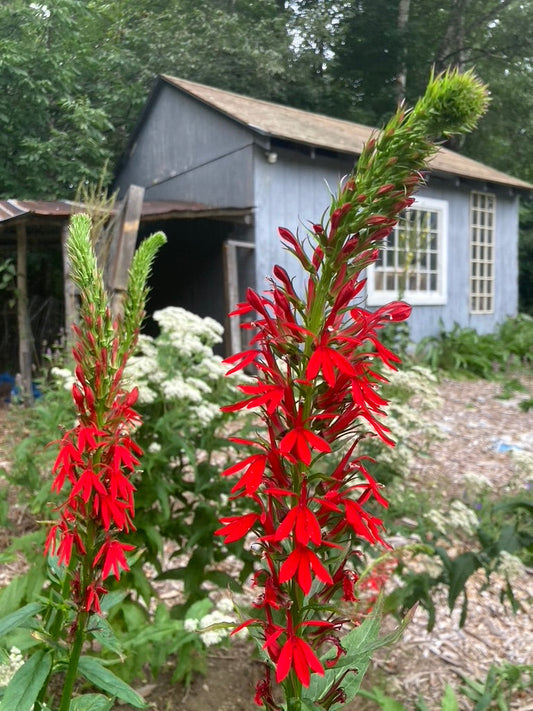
(74, 74)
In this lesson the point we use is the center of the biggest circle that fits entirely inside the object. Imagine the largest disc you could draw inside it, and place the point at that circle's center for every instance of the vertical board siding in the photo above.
(186, 151)
(291, 193)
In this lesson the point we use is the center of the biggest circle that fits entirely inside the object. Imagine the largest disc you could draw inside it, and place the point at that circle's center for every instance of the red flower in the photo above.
(305, 525)
(64, 550)
(297, 654)
(252, 477)
(327, 359)
(236, 527)
(299, 441)
(299, 564)
(88, 482)
(114, 559)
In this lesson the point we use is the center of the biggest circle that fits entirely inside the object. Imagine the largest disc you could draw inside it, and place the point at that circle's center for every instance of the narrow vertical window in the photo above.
(482, 219)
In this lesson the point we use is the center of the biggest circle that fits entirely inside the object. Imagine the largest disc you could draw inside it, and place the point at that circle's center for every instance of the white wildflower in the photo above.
(205, 413)
(14, 662)
(477, 483)
(214, 636)
(154, 447)
(190, 624)
(225, 605)
(510, 566)
(63, 376)
(177, 389)
(459, 517)
(523, 465)
(146, 394)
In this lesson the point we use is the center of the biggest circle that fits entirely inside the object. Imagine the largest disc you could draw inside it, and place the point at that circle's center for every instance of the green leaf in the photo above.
(91, 702)
(111, 599)
(104, 679)
(199, 609)
(23, 689)
(449, 700)
(18, 618)
(461, 568)
(103, 633)
(359, 644)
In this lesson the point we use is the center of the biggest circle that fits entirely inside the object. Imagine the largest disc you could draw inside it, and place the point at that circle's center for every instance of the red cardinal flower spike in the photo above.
(318, 366)
(98, 457)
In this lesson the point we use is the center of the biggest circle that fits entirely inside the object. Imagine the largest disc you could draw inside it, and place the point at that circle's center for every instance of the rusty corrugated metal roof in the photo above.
(16, 210)
(13, 209)
(324, 132)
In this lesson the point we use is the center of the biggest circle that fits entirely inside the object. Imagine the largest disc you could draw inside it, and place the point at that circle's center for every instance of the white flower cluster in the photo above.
(7, 671)
(214, 627)
(418, 382)
(413, 392)
(523, 466)
(63, 377)
(459, 517)
(477, 483)
(179, 365)
(510, 566)
(187, 332)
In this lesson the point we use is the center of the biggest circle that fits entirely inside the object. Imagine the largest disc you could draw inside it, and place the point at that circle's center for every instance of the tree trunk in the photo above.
(452, 50)
(401, 77)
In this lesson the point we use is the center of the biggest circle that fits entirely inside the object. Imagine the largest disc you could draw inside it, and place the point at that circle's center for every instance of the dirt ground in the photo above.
(478, 430)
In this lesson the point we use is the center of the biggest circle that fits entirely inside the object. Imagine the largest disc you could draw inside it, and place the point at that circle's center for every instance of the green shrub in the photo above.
(463, 351)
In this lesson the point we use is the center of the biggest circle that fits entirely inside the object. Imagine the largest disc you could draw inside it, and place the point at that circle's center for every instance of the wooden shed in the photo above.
(39, 305)
(198, 143)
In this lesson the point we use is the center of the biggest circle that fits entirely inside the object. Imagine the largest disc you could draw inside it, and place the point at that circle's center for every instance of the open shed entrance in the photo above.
(193, 269)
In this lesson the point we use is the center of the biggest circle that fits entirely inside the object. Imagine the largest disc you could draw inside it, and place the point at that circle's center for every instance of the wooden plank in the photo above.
(124, 240)
(69, 291)
(231, 287)
(24, 329)
(233, 331)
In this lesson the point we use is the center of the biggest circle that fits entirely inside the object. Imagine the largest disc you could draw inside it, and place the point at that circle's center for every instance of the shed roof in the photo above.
(318, 131)
(12, 211)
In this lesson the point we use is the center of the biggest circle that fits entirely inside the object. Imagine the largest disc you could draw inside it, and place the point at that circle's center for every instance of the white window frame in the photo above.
(378, 297)
(482, 263)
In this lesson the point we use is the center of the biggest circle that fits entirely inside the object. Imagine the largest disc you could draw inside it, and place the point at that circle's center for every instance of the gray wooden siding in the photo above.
(294, 188)
(289, 193)
(424, 320)
(186, 151)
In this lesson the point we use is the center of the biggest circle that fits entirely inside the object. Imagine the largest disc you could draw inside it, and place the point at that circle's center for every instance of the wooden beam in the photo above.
(123, 247)
(24, 328)
(69, 291)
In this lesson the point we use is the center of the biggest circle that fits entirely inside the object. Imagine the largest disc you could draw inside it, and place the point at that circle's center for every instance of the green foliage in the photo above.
(387, 703)
(182, 386)
(464, 352)
(525, 259)
(502, 685)
(8, 274)
(81, 72)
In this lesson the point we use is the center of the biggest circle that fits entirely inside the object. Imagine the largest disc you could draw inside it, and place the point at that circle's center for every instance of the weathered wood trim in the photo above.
(24, 328)
(69, 290)
(124, 239)
(231, 288)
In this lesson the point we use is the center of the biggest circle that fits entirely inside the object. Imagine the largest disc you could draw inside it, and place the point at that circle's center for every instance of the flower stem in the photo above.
(72, 669)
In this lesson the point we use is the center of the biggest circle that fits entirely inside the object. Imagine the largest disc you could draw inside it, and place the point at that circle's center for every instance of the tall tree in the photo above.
(74, 75)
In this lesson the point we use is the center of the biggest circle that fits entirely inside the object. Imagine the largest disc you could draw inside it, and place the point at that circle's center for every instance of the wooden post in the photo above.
(123, 246)
(24, 328)
(233, 332)
(69, 291)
